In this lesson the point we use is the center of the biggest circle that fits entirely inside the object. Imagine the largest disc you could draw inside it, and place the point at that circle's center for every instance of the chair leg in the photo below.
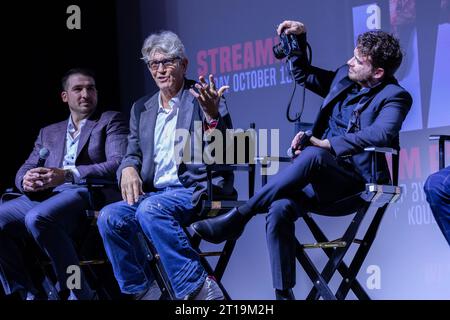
(342, 268)
(157, 269)
(41, 276)
(218, 278)
(320, 285)
(219, 270)
(339, 253)
(360, 255)
(163, 280)
(222, 263)
(47, 284)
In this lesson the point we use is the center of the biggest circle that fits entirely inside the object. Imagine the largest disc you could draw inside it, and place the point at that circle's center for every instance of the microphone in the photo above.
(303, 143)
(43, 155)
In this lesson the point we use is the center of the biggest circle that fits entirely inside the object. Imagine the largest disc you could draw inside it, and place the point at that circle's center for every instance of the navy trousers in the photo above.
(437, 190)
(315, 177)
(51, 223)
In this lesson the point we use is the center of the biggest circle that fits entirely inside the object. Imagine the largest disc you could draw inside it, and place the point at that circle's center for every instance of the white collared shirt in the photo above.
(166, 122)
(72, 139)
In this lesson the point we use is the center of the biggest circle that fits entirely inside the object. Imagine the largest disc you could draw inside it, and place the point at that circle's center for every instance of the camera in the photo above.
(290, 45)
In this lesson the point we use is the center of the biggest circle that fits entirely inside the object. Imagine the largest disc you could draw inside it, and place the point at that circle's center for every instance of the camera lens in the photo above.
(278, 51)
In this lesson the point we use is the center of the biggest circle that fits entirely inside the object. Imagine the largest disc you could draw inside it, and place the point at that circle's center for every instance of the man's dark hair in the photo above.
(383, 50)
(83, 71)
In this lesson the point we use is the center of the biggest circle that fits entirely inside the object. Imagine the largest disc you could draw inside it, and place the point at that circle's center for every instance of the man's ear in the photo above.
(184, 63)
(378, 74)
(64, 96)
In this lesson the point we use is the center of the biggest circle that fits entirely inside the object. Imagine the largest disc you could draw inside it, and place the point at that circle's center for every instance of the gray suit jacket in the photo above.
(101, 147)
(141, 144)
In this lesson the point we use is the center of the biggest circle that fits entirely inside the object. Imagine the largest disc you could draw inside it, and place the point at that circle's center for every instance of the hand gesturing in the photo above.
(208, 96)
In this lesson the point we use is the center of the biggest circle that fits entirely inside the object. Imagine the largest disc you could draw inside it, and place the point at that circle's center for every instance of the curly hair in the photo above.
(382, 49)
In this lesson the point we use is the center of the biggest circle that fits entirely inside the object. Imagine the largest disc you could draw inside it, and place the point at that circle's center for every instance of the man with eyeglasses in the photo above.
(161, 194)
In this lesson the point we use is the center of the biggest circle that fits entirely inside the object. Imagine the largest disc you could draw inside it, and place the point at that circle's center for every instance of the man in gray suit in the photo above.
(162, 194)
(89, 144)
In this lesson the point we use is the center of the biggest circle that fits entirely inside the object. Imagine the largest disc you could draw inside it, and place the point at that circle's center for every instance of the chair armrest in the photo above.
(441, 138)
(97, 182)
(228, 167)
(381, 150)
(266, 159)
(394, 160)
(9, 195)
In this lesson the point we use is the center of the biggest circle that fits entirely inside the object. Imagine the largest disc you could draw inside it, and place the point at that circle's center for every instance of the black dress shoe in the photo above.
(285, 294)
(224, 227)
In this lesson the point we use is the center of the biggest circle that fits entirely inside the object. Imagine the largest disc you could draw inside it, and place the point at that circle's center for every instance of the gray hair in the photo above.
(164, 41)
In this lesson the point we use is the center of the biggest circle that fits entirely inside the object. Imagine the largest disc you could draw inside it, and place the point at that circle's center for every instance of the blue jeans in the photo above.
(160, 216)
(437, 190)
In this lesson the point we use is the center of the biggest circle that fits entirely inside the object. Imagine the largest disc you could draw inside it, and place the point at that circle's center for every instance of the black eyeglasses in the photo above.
(167, 63)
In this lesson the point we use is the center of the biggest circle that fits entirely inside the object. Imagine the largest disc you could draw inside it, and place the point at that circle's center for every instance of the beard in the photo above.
(362, 78)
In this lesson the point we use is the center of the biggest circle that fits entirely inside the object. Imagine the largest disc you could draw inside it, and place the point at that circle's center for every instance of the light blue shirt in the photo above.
(72, 139)
(166, 123)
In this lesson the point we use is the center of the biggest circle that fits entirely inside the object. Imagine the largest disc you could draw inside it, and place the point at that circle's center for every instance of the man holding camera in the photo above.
(363, 106)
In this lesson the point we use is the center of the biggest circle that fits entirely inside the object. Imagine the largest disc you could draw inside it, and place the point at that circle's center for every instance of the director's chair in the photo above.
(375, 197)
(87, 242)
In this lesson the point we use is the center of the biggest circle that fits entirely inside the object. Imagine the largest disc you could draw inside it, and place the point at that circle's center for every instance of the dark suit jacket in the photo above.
(141, 143)
(380, 120)
(101, 147)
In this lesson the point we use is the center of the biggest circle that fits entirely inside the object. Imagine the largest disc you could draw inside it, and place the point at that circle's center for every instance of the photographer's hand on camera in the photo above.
(291, 27)
(292, 41)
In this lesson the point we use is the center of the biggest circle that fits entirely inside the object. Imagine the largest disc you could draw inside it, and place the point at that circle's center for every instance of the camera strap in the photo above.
(302, 105)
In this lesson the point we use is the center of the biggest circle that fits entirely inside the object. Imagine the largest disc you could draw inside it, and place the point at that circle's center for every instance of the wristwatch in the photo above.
(68, 176)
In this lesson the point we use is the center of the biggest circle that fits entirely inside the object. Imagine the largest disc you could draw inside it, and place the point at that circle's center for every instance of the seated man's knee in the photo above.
(152, 215)
(312, 154)
(4, 225)
(282, 211)
(111, 218)
(434, 184)
(3, 221)
(36, 222)
(9, 222)
(146, 215)
(149, 210)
